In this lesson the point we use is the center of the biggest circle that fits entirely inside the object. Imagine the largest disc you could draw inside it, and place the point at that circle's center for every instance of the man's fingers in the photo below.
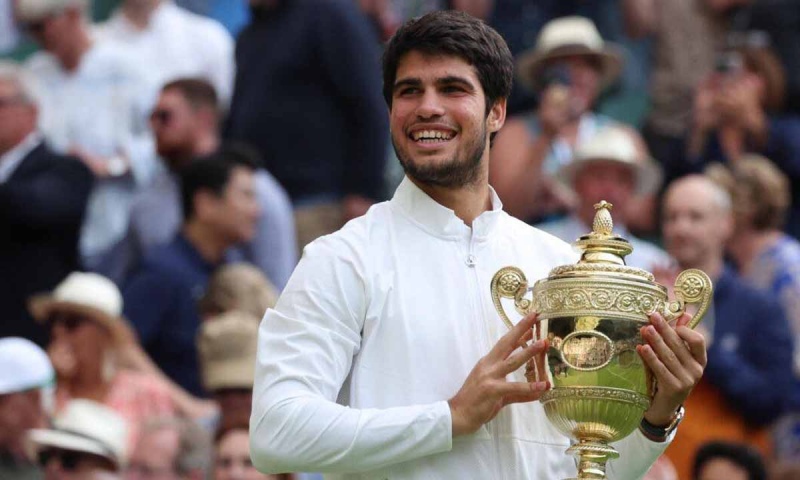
(696, 344)
(511, 340)
(520, 357)
(515, 392)
(672, 340)
(683, 320)
(662, 373)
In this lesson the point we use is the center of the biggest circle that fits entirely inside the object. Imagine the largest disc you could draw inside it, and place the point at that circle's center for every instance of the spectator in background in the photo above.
(92, 105)
(172, 42)
(87, 442)
(569, 66)
(728, 461)
(26, 391)
(87, 338)
(43, 198)
(314, 113)
(185, 124)
(609, 167)
(238, 286)
(161, 299)
(232, 458)
(735, 113)
(750, 349)
(227, 346)
(170, 449)
(687, 35)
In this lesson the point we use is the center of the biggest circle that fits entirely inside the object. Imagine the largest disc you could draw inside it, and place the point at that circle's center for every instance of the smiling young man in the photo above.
(384, 357)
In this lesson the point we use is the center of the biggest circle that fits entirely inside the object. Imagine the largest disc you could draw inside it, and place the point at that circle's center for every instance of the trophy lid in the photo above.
(602, 251)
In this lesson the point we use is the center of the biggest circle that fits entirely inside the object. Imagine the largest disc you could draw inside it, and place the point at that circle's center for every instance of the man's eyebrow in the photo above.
(454, 79)
(406, 82)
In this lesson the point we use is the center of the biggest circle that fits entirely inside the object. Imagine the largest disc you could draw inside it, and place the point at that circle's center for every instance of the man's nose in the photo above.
(430, 105)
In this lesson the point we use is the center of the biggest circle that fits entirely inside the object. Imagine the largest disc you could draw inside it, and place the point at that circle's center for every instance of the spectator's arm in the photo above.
(350, 58)
(640, 17)
(52, 200)
(305, 352)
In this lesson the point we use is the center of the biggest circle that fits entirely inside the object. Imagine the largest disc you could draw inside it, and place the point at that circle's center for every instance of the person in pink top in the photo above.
(88, 340)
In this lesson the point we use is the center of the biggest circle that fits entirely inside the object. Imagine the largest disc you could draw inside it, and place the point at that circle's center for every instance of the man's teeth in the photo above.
(432, 135)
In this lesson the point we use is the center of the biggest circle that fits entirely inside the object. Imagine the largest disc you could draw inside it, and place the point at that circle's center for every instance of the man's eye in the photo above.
(409, 91)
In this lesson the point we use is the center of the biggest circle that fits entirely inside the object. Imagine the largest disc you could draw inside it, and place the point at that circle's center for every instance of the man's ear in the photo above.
(497, 115)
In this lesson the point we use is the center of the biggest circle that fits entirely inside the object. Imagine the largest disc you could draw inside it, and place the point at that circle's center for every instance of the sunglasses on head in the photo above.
(161, 116)
(69, 460)
(70, 321)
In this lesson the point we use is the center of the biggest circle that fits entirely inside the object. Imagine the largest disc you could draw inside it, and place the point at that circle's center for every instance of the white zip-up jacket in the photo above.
(379, 325)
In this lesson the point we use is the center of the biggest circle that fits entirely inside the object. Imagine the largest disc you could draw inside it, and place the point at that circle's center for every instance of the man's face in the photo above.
(235, 213)
(722, 469)
(603, 180)
(438, 120)
(69, 465)
(695, 227)
(154, 456)
(50, 32)
(17, 117)
(232, 458)
(175, 127)
(584, 81)
(19, 412)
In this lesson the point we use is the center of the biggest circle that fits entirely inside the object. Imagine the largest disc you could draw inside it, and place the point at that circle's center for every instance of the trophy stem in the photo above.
(592, 455)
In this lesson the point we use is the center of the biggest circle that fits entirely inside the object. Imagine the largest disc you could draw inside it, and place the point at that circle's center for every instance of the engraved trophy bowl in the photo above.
(591, 314)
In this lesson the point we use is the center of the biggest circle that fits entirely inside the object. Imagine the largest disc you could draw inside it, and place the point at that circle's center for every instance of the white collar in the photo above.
(10, 160)
(439, 220)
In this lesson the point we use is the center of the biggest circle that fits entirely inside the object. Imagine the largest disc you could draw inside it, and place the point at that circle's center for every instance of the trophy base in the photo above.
(592, 455)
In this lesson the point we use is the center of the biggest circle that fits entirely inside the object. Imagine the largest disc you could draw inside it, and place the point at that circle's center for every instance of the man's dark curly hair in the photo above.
(457, 34)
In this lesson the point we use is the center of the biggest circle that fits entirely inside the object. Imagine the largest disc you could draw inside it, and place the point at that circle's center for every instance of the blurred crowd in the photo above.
(163, 164)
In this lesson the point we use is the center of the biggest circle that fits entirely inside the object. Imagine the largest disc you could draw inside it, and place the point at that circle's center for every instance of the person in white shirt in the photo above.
(172, 42)
(384, 357)
(93, 104)
(608, 166)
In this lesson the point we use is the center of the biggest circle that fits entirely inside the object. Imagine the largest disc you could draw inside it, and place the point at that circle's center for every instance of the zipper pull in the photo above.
(470, 260)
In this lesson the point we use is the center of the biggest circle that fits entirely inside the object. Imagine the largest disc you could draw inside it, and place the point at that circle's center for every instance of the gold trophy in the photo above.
(591, 314)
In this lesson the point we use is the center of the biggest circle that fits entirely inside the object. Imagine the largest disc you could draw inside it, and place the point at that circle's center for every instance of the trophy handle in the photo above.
(692, 286)
(510, 282)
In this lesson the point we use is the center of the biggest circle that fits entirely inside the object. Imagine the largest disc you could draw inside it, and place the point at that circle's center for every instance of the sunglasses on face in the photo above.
(69, 460)
(161, 116)
(70, 321)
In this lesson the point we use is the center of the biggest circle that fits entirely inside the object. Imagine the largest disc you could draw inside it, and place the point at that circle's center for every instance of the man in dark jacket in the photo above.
(42, 202)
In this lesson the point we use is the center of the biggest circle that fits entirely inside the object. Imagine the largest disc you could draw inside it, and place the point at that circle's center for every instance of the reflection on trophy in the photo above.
(591, 313)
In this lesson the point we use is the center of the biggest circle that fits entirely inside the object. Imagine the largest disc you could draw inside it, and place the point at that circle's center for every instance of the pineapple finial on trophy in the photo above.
(603, 224)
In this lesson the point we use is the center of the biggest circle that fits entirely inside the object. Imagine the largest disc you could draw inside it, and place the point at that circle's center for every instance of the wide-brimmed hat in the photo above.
(88, 427)
(37, 10)
(565, 37)
(25, 366)
(238, 286)
(227, 345)
(87, 294)
(614, 144)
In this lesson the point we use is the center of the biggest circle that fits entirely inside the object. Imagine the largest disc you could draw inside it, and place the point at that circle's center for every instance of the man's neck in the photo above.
(138, 13)
(210, 246)
(71, 58)
(467, 202)
(748, 245)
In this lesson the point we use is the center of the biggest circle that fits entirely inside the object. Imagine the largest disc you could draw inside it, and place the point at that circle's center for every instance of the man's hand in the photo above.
(677, 357)
(486, 390)
(554, 110)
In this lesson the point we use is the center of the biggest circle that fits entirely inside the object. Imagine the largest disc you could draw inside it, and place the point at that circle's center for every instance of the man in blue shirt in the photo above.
(220, 211)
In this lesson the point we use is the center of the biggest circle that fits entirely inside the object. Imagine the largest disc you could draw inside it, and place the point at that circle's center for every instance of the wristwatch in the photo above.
(117, 165)
(661, 434)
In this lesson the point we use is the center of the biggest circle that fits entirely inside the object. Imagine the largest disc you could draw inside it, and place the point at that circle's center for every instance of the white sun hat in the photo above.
(614, 144)
(564, 37)
(88, 427)
(24, 366)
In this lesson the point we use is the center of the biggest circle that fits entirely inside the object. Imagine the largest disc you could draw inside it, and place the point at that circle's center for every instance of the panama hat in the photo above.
(564, 37)
(25, 366)
(87, 294)
(614, 144)
(88, 427)
(227, 345)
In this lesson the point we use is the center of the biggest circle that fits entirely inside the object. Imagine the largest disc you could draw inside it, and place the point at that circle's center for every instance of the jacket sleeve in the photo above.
(305, 352)
(52, 200)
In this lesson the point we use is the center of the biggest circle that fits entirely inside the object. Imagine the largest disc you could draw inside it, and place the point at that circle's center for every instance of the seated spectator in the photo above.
(232, 458)
(569, 67)
(43, 198)
(185, 123)
(227, 346)
(749, 341)
(87, 336)
(88, 441)
(76, 72)
(728, 461)
(170, 449)
(172, 42)
(161, 299)
(609, 167)
(735, 112)
(26, 389)
(662, 470)
(238, 286)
